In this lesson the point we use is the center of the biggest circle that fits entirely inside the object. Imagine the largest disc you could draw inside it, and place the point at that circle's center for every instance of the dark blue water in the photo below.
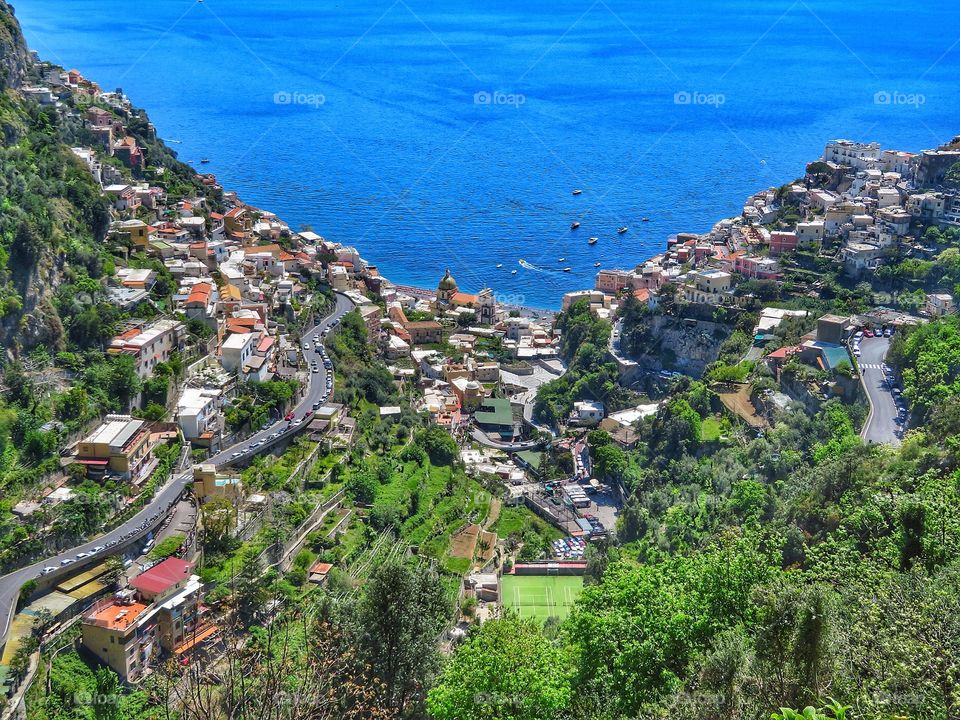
(400, 160)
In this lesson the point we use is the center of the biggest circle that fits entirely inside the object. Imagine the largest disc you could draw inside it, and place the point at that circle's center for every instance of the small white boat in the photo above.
(566, 269)
(577, 192)
(513, 272)
(592, 241)
(621, 231)
(646, 219)
(560, 259)
(574, 225)
(499, 265)
(596, 264)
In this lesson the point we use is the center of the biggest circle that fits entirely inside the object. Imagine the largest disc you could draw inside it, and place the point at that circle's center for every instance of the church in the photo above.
(449, 297)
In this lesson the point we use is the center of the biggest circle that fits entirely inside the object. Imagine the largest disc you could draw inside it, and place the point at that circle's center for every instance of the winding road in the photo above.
(881, 425)
(154, 513)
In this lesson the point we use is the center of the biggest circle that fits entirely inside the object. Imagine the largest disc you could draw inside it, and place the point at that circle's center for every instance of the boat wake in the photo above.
(530, 266)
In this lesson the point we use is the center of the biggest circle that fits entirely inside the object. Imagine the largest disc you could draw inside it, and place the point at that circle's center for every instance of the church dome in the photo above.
(448, 283)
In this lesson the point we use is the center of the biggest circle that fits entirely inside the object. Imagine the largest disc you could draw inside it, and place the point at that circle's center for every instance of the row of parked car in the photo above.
(94, 551)
(290, 418)
(868, 333)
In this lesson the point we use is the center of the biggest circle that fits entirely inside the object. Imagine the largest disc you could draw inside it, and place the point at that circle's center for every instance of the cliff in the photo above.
(52, 218)
(14, 56)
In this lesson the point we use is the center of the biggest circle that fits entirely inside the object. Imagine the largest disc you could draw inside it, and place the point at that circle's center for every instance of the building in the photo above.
(159, 613)
(709, 287)
(831, 329)
(495, 418)
(198, 412)
(757, 267)
(587, 413)
(207, 484)
(859, 258)
(446, 289)
(138, 231)
(371, 319)
(120, 447)
(236, 350)
(861, 156)
(468, 392)
(424, 332)
(940, 304)
(781, 242)
(123, 633)
(809, 232)
(152, 344)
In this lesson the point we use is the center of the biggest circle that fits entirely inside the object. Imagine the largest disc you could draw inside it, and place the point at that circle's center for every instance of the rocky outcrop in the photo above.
(681, 344)
(14, 55)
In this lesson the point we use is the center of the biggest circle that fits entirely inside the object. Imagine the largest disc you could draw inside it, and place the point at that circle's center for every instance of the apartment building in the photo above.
(120, 447)
(151, 344)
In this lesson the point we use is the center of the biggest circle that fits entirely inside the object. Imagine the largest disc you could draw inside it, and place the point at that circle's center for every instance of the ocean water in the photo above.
(451, 134)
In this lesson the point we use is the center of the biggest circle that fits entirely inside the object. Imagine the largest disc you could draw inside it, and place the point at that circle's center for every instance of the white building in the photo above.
(236, 351)
(153, 344)
(198, 411)
(587, 412)
(852, 154)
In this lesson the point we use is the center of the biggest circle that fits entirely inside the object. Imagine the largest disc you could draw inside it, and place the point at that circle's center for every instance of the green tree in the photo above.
(399, 620)
(507, 670)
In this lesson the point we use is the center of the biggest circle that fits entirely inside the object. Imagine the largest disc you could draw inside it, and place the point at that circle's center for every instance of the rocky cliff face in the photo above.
(14, 56)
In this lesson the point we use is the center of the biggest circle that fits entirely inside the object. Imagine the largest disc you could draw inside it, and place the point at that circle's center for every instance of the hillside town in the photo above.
(236, 330)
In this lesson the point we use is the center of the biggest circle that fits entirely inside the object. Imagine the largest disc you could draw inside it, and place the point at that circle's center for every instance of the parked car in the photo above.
(97, 549)
(47, 570)
(289, 416)
(68, 561)
(888, 332)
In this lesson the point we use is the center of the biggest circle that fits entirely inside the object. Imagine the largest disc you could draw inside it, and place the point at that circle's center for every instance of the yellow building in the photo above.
(121, 446)
(207, 484)
(139, 233)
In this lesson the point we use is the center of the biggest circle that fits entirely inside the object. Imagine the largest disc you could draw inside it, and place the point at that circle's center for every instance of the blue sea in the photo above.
(452, 134)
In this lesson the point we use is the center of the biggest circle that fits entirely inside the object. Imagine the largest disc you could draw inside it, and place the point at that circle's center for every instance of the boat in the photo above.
(592, 241)
(621, 231)
(577, 192)
(646, 219)
(204, 160)
(513, 272)
(566, 269)
(560, 259)
(596, 264)
(499, 265)
(574, 225)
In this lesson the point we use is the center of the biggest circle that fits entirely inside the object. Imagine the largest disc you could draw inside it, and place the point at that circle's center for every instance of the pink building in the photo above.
(781, 242)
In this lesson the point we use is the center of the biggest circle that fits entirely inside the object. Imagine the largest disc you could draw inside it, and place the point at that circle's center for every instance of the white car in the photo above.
(68, 561)
(81, 556)
(47, 570)
(97, 549)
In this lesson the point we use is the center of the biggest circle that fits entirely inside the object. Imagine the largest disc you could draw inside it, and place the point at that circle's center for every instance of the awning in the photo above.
(196, 639)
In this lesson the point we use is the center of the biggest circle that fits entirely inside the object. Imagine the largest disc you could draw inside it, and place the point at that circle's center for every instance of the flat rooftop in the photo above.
(117, 616)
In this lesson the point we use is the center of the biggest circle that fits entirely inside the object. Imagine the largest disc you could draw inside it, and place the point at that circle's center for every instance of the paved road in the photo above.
(881, 426)
(152, 515)
(314, 392)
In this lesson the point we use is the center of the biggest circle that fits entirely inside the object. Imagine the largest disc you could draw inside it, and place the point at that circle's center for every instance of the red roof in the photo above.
(162, 576)
(200, 294)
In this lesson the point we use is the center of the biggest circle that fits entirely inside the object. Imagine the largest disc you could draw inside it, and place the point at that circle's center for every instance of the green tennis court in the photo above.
(540, 596)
